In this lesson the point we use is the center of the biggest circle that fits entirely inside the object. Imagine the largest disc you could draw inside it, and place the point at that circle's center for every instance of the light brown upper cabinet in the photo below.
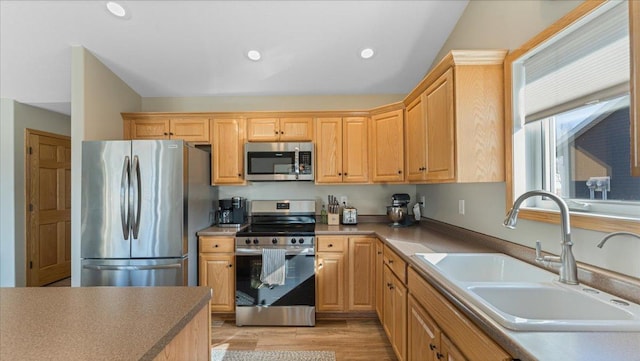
(387, 145)
(280, 129)
(341, 150)
(191, 129)
(455, 120)
(227, 144)
(415, 135)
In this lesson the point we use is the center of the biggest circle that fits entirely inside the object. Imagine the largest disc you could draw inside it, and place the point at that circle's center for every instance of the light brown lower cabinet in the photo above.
(395, 313)
(379, 283)
(439, 331)
(425, 341)
(193, 342)
(345, 274)
(217, 270)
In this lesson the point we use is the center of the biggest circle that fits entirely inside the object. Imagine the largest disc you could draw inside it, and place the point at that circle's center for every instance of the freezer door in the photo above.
(129, 272)
(158, 198)
(104, 199)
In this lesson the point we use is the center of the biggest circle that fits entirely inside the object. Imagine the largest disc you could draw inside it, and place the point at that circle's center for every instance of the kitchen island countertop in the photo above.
(94, 323)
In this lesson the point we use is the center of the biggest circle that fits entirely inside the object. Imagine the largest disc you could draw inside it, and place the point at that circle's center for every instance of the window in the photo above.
(571, 118)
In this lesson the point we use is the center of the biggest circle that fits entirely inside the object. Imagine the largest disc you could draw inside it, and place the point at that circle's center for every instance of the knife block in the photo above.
(333, 219)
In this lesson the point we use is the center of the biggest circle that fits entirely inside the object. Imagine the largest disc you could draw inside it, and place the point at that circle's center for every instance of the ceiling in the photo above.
(198, 48)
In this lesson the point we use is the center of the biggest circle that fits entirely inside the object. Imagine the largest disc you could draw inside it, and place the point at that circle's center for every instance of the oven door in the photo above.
(299, 286)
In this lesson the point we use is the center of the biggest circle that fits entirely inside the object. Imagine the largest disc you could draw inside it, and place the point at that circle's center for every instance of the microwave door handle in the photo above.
(296, 166)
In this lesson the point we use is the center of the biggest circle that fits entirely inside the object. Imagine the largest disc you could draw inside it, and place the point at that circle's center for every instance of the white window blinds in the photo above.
(589, 63)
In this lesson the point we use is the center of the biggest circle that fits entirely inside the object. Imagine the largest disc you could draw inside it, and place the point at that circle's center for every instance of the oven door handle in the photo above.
(289, 251)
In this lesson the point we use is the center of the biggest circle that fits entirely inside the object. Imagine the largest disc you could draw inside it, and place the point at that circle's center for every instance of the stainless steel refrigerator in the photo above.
(142, 203)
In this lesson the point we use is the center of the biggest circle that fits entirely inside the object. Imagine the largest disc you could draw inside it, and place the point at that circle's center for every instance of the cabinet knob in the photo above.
(281, 132)
(276, 132)
(390, 261)
(171, 133)
(216, 246)
(432, 347)
(439, 355)
(379, 252)
(330, 245)
(165, 133)
(239, 174)
(230, 265)
(399, 172)
(319, 264)
(345, 173)
(339, 173)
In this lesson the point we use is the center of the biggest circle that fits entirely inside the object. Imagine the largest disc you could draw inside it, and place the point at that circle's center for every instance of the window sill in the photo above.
(581, 220)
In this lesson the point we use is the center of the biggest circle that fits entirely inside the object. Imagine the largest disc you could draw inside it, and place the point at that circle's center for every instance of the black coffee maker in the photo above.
(232, 211)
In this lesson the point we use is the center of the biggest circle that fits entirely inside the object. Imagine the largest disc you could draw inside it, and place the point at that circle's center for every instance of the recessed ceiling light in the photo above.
(254, 55)
(366, 53)
(116, 9)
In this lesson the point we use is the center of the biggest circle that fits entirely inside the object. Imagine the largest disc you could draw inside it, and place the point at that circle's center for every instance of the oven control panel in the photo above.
(275, 241)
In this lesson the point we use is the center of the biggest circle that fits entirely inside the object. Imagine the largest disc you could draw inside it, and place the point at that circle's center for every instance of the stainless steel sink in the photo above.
(522, 297)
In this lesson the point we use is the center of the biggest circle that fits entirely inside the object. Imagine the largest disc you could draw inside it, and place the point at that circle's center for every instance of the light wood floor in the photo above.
(352, 340)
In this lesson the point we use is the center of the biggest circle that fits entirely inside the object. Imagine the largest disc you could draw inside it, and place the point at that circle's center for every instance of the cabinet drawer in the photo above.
(397, 265)
(331, 244)
(217, 244)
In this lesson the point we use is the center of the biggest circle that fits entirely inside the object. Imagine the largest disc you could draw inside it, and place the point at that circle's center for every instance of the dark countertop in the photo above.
(94, 323)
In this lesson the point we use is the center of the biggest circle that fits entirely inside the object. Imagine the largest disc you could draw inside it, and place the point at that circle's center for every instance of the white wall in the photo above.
(269, 103)
(368, 199)
(98, 97)
(7, 200)
(17, 118)
(508, 24)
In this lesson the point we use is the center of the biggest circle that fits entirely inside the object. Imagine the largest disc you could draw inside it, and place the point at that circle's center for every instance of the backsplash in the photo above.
(369, 199)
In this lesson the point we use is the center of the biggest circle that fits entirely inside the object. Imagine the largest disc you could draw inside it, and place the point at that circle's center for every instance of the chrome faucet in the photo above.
(599, 245)
(567, 263)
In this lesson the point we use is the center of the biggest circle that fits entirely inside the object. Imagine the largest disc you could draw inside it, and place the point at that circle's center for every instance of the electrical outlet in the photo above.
(461, 207)
(344, 200)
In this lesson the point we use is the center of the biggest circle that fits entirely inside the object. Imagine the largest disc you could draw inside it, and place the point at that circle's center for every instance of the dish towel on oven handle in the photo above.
(273, 266)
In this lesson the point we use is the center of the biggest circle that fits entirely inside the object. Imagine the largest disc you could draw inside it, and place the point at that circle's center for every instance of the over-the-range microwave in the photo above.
(282, 161)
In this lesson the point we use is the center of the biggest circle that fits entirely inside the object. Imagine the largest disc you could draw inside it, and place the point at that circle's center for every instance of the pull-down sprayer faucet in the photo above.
(568, 269)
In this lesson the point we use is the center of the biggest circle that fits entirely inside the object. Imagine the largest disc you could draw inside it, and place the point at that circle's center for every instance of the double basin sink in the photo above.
(523, 297)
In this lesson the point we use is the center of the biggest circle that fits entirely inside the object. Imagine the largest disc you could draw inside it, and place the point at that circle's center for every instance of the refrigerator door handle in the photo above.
(137, 196)
(124, 194)
(131, 268)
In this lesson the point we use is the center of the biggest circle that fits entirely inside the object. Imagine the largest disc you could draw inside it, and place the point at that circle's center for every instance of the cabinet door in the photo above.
(379, 280)
(296, 129)
(150, 129)
(449, 351)
(263, 129)
(399, 318)
(423, 339)
(355, 150)
(395, 313)
(439, 115)
(330, 281)
(227, 158)
(387, 147)
(190, 129)
(218, 272)
(329, 150)
(361, 274)
(415, 135)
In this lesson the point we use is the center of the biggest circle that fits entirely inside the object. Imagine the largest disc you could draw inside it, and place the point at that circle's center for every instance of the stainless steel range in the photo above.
(275, 265)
